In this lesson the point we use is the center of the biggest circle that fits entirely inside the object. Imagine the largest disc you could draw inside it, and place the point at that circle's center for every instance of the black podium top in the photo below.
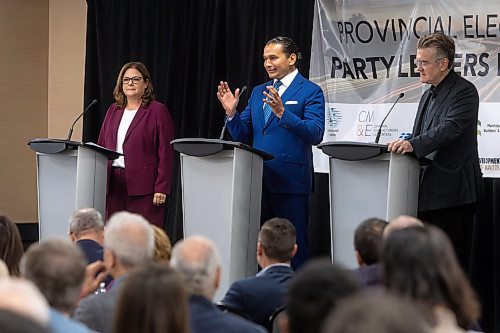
(205, 147)
(54, 146)
(352, 151)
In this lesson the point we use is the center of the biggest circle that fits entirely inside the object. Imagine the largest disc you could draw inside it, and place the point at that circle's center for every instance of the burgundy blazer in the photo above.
(147, 149)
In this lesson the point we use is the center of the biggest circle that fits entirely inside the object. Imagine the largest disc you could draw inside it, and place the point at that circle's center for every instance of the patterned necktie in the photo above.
(267, 108)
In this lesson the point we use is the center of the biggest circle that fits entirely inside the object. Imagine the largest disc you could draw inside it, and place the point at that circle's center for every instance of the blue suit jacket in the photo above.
(289, 139)
(93, 251)
(259, 296)
(205, 317)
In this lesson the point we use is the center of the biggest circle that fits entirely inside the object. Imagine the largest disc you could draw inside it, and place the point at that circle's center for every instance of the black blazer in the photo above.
(446, 142)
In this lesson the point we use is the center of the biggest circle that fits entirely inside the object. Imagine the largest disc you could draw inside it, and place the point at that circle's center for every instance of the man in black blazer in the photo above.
(445, 139)
(258, 297)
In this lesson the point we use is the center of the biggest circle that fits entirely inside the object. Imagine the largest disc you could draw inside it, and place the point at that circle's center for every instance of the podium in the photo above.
(70, 175)
(366, 181)
(221, 196)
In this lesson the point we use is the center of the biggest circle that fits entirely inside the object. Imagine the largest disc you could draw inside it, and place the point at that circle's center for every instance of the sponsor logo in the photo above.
(333, 117)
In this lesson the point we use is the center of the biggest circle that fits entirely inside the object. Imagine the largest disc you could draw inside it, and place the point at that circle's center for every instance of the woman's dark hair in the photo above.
(419, 263)
(11, 245)
(120, 98)
(152, 300)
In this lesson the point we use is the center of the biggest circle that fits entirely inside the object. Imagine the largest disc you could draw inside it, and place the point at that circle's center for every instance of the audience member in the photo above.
(163, 246)
(367, 241)
(402, 222)
(419, 263)
(21, 297)
(257, 298)
(375, 313)
(153, 300)
(198, 262)
(128, 244)
(11, 245)
(313, 293)
(86, 229)
(57, 268)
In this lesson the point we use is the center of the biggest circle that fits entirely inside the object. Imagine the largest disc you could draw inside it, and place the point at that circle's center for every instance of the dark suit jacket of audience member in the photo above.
(205, 317)
(368, 276)
(97, 311)
(258, 297)
(93, 251)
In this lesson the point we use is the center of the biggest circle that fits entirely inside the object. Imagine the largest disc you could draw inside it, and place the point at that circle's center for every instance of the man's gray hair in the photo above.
(85, 219)
(130, 238)
(57, 268)
(196, 258)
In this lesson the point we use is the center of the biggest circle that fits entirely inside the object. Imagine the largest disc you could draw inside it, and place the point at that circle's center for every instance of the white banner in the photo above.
(362, 57)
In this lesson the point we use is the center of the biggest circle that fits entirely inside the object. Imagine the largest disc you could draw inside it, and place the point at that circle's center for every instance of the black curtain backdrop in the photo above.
(188, 47)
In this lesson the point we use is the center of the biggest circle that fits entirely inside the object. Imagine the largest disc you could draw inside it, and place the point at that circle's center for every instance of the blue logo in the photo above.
(333, 117)
(405, 136)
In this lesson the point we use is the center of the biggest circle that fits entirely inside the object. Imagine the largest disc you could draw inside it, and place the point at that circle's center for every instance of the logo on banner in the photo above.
(333, 117)
(365, 126)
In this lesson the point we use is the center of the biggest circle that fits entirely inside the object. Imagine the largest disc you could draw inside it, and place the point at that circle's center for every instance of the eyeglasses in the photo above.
(134, 80)
(424, 63)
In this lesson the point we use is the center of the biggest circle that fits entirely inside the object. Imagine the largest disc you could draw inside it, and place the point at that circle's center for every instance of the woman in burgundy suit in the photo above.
(140, 128)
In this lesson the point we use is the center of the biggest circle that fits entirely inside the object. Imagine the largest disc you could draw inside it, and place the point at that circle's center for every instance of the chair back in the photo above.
(273, 326)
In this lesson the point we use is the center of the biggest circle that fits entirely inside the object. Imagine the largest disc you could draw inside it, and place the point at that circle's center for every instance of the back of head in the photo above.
(314, 292)
(11, 245)
(197, 260)
(148, 292)
(130, 238)
(163, 246)
(23, 298)
(57, 268)
(375, 313)
(85, 220)
(419, 263)
(277, 238)
(367, 239)
(402, 222)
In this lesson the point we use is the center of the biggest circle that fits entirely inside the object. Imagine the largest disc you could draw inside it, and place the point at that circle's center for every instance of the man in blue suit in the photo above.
(284, 117)
(258, 297)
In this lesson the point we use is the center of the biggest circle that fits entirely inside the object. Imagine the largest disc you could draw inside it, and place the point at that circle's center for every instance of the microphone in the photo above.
(382, 123)
(70, 132)
(225, 120)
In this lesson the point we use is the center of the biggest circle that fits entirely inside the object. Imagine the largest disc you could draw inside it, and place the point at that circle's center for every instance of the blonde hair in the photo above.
(163, 246)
